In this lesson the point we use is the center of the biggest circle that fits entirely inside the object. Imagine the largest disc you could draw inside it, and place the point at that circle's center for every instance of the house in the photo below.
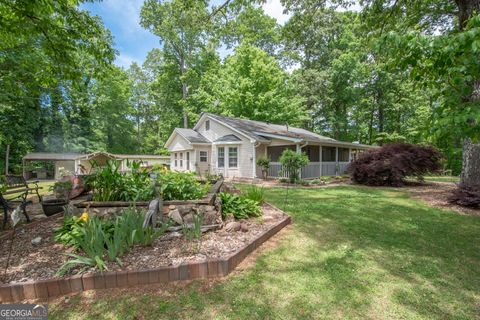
(44, 165)
(230, 146)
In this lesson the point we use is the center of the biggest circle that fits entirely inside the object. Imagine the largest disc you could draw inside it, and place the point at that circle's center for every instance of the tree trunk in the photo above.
(7, 158)
(466, 8)
(471, 165)
(183, 69)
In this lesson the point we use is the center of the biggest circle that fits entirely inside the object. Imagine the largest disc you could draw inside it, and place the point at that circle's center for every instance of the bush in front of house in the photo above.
(181, 186)
(292, 162)
(239, 207)
(97, 240)
(392, 163)
(466, 197)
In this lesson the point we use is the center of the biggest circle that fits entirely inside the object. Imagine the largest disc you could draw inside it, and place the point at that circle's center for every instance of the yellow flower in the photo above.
(84, 217)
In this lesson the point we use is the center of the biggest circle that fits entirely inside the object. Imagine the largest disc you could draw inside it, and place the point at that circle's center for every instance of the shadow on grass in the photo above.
(353, 252)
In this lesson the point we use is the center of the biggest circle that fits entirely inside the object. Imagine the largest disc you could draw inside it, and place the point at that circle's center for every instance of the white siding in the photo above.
(203, 167)
(180, 146)
(245, 150)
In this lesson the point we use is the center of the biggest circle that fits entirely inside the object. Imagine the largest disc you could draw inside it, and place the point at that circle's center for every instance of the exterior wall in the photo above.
(203, 167)
(245, 150)
(66, 165)
(180, 146)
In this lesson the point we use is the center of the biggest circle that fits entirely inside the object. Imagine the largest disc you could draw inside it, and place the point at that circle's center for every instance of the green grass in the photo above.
(352, 253)
(443, 178)
(45, 185)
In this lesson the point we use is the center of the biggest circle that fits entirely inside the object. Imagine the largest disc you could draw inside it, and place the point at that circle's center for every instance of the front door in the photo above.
(188, 160)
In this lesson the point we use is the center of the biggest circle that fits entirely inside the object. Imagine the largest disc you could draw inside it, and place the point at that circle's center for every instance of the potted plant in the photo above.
(62, 190)
(264, 163)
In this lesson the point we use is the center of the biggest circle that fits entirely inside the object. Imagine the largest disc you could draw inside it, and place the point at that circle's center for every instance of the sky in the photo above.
(133, 42)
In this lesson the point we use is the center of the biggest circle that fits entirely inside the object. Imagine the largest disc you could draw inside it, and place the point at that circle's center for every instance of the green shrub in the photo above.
(238, 206)
(255, 193)
(91, 240)
(292, 162)
(195, 230)
(109, 184)
(98, 238)
(181, 186)
(264, 163)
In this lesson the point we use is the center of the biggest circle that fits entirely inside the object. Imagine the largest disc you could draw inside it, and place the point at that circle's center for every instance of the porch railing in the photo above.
(311, 170)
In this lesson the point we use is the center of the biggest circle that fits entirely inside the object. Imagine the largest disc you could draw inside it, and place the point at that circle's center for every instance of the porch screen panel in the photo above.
(312, 152)
(329, 154)
(274, 153)
(343, 155)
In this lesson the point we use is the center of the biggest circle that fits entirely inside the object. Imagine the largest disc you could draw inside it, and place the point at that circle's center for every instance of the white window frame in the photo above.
(207, 125)
(176, 157)
(218, 157)
(236, 162)
(205, 156)
(181, 159)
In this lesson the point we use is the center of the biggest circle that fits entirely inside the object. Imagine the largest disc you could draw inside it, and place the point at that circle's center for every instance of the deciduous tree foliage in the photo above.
(396, 71)
(392, 163)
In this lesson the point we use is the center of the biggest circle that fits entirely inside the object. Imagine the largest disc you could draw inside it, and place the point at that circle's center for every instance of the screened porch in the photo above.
(324, 160)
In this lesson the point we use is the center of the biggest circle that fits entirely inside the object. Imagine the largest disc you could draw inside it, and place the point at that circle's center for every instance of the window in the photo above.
(221, 157)
(343, 155)
(203, 156)
(207, 125)
(181, 159)
(176, 156)
(232, 157)
(329, 154)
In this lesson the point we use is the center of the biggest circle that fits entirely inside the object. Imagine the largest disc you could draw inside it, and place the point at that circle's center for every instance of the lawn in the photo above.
(442, 178)
(352, 252)
(45, 189)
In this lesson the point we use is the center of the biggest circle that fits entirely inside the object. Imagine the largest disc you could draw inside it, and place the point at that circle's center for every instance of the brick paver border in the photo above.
(210, 268)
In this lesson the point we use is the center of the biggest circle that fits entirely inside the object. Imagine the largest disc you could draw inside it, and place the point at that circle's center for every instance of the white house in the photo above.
(230, 146)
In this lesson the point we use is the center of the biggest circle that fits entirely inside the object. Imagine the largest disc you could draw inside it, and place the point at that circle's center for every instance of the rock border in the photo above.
(210, 268)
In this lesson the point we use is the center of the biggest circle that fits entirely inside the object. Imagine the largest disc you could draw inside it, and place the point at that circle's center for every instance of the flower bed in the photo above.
(181, 211)
(171, 257)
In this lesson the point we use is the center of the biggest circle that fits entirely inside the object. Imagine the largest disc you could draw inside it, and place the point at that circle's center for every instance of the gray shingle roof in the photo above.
(51, 156)
(191, 135)
(228, 138)
(254, 129)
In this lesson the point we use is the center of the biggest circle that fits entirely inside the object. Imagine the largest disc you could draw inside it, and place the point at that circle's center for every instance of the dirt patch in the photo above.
(436, 195)
(42, 261)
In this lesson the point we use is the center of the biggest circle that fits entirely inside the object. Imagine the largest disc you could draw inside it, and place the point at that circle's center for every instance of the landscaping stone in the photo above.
(244, 227)
(175, 216)
(210, 218)
(233, 226)
(188, 218)
(172, 207)
(36, 241)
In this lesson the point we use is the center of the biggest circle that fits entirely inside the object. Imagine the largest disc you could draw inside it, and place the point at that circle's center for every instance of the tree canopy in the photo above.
(402, 71)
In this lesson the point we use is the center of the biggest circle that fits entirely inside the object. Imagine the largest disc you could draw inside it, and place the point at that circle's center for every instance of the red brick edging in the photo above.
(44, 289)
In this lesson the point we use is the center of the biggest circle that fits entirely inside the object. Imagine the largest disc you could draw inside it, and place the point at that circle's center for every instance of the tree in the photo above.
(183, 27)
(43, 46)
(251, 84)
(292, 162)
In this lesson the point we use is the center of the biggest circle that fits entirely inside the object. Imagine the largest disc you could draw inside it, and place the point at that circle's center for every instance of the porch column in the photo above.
(320, 159)
(336, 161)
(254, 162)
(299, 150)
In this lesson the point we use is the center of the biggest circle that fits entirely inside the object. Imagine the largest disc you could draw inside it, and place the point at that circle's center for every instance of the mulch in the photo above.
(29, 262)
